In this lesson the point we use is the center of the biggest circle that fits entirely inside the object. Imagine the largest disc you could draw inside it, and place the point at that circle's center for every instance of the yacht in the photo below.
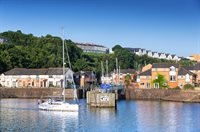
(62, 105)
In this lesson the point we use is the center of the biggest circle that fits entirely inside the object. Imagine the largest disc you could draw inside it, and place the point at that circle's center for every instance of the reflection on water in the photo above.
(23, 115)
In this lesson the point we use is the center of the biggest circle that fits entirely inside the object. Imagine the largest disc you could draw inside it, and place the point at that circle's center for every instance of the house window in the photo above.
(19, 84)
(181, 85)
(14, 84)
(172, 78)
(69, 76)
(172, 68)
(148, 85)
(142, 84)
(50, 83)
(156, 85)
(58, 83)
(50, 76)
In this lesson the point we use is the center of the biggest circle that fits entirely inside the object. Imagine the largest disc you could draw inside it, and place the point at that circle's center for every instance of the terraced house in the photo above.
(174, 74)
(23, 77)
(195, 69)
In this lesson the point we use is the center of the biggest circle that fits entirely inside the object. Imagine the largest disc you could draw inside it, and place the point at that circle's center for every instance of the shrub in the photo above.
(188, 87)
(176, 88)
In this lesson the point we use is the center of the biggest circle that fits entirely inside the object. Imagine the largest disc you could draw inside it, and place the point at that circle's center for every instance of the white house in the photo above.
(174, 57)
(168, 57)
(149, 53)
(155, 55)
(137, 51)
(22, 77)
(144, 52)
(162, 56)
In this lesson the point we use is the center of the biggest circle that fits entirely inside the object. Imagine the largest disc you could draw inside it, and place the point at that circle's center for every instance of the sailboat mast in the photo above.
(117, 72)
(63, 56)
(107, 81)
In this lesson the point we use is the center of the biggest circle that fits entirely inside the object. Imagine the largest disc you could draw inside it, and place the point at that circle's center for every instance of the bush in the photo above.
(188, 87)
(176, 88)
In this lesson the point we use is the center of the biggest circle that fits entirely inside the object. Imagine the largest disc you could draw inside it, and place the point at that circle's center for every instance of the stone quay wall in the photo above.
(36, 93)
(149, 94)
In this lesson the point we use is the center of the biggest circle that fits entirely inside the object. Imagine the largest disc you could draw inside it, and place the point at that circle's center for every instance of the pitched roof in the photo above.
(89, 44)
(125, 71)
(24, 71)
(56, 71)
(154, 53)
(133, 49)
(164, 65)
(174, 56)
(149, 51)
(146, 73)
(42, 71)
(183, 71)
(86, 73)
(167, 55)
(195, 67)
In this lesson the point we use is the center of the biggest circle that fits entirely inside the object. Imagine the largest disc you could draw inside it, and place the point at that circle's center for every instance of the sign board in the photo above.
(105, 86)
(104, 98)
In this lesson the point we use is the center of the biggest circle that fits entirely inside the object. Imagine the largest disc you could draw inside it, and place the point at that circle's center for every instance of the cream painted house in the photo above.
(22, 77)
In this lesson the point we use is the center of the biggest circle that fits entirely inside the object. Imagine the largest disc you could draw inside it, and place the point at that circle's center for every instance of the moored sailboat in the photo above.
(54, 105)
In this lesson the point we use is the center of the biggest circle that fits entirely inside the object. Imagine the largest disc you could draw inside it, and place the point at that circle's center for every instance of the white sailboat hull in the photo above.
(58, 106)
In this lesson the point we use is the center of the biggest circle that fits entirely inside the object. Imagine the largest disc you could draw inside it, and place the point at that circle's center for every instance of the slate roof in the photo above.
(183, 71)
(86, 73)
(133, 49)
(167, 55)
(195, 67)
(56, 71)
(149, 51)
(154, 53)
(43, 71)
(164, 65)
(89, 44)
(173, 56)
(125, 71)
(146, 73)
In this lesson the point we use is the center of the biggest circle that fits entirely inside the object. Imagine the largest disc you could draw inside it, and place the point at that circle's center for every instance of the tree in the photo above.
(161, 81)
(116, 47)
(127, 80)
(80, 64)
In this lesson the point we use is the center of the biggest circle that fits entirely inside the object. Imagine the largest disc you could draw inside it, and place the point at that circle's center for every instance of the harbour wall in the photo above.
(149, 94)
(37, 93)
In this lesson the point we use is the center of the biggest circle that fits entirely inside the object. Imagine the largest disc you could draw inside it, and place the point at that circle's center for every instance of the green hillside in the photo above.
(28, 51)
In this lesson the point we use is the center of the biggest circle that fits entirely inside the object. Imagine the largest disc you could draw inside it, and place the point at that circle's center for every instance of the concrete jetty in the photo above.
(97, 98)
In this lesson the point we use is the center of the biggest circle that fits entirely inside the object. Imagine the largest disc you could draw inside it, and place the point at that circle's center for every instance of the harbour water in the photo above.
(135, 116)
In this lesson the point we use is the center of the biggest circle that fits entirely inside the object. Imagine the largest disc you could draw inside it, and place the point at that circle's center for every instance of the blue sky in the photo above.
(170, 26)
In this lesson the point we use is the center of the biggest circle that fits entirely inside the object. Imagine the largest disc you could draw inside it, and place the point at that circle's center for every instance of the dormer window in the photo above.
(172, 68)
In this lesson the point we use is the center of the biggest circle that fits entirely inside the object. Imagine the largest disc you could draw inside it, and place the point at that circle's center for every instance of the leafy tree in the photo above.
(116, 47)
(188, 87)
(81, 64)
(161, 81)
(127, 80)
(26, 50)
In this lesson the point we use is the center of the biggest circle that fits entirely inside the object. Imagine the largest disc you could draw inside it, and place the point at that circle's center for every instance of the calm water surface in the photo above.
(135, 116)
